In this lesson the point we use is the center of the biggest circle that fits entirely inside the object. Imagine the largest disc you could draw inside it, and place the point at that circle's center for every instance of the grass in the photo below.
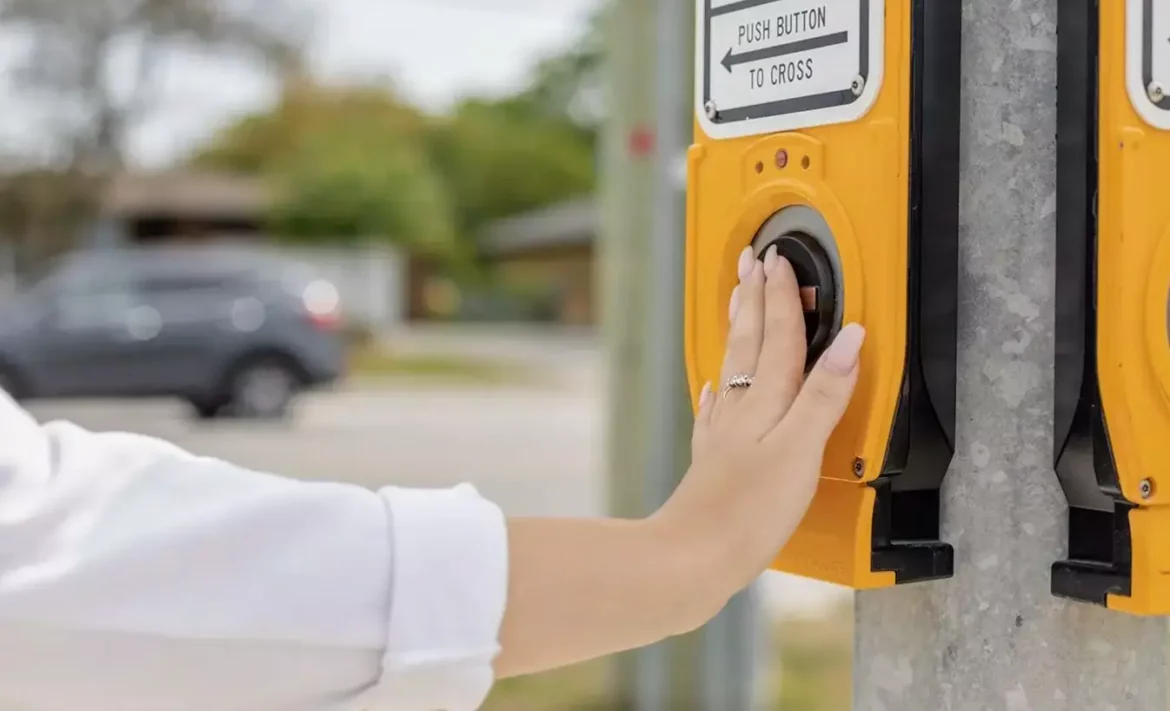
(578, 688)
(367, 361)
(813, 673)
(815, 663)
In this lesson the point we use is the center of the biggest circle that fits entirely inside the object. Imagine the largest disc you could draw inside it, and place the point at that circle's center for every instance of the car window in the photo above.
(153, 285)
(91, 298)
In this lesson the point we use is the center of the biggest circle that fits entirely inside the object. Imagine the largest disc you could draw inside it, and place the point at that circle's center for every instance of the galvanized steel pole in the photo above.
(993, 638)
(643, 254)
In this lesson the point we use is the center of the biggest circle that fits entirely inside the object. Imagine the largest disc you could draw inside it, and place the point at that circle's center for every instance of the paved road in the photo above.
(533, 452)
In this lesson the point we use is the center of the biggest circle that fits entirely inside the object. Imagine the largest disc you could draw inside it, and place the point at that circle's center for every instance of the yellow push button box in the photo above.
(1112, 415)
(831, 130)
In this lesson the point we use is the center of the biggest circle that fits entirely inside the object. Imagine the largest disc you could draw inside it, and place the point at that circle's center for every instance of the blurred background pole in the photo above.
(994, 638)
(651, 73)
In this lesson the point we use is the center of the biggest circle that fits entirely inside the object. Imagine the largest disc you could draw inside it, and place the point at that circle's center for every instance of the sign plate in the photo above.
(1148, 59)
(765, 66)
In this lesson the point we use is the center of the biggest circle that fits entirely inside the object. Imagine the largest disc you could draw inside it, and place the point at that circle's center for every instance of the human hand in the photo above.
(757, 451)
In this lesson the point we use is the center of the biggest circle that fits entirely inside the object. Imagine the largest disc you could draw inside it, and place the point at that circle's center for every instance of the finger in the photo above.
(702, 416)
(780, 369)
(747, 330)
(826, 393)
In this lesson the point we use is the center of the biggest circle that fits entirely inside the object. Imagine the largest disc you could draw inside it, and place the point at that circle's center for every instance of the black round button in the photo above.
(814, 275)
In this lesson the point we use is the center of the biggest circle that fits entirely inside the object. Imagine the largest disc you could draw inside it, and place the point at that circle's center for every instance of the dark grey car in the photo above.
(231, 331)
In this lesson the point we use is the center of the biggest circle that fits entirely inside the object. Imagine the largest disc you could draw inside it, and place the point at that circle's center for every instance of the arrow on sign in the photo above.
(730, 60)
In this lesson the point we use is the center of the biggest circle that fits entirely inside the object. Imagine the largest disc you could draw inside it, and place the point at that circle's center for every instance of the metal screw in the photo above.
(1146, 488)
(857, 85)
(1156, 92)
(711, 109)
(859, 467)
(781, 158)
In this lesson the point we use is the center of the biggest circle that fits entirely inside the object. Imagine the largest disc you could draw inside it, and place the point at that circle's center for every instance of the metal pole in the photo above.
(627, 202)
(651, 79)
(664, 672)
(993, 637)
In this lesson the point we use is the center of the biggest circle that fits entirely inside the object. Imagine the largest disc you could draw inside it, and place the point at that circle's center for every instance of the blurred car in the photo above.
(231, 331)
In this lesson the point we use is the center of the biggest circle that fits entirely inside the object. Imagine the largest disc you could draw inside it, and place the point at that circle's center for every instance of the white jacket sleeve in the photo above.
(135, 576)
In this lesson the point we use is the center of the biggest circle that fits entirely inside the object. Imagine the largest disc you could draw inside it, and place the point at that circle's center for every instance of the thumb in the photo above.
(827, 390)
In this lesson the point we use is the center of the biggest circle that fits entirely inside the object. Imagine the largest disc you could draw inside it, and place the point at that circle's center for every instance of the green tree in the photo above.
(354, 181)
(571, 84)
(500, 158)
(347, 164)
(255, 144)
(70, 65)
(89, 72)
(538, 146)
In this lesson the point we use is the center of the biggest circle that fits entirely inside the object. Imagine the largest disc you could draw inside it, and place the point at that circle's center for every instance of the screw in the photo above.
(711, 110)
(857, 85)
(1156, 92)
(781, 158)
(859, 467)
(1146, 488)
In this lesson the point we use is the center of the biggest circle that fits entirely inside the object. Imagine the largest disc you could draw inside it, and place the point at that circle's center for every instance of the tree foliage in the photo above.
(500, 158)
(89, 72)
(347, 163)
(355, 180)
(570, 84)
(92, 65)
(256, 143)
(360, 163)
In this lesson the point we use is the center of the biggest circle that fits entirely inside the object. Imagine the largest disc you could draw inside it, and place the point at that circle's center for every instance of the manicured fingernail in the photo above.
(841, 357)
(734, 305)
(745, 263)
(771, 260)
(705, 395)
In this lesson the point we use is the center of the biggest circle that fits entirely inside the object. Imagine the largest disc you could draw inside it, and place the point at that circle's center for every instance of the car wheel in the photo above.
(9, 384)
(208, 410)
(263, 389)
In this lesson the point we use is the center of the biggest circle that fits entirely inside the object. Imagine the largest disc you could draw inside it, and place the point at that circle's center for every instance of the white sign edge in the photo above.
(807, 119)
(1134, 37)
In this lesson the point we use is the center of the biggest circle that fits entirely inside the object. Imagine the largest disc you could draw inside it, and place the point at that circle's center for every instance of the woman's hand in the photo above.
(757, 451)
(579, 589)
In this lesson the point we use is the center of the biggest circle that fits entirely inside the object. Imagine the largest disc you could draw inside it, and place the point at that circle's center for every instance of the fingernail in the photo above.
(734, 305)
(771, 260)
(841, 357)
(705, 395)
(745, 263)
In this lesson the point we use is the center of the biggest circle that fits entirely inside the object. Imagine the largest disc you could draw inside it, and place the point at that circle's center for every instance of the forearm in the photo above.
(581, 589)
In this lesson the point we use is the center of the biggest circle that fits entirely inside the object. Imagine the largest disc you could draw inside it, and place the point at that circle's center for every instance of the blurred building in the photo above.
(552, 251)
(193, 206)
(184, 205)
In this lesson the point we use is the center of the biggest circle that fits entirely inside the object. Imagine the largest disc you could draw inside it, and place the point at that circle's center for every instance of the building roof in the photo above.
(567, 224)
(197, 195)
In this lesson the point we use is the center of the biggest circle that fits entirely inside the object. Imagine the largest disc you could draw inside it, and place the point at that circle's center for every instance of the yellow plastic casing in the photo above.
(857, 176)
(1133, 286)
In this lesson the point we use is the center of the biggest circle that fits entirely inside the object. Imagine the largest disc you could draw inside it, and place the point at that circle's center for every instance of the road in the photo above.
(535, 452)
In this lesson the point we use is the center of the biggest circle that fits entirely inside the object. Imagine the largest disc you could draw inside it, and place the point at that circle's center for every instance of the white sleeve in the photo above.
(135, 576)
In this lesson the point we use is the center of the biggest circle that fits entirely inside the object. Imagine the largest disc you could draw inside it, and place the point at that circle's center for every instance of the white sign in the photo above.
(764, 66)
(1148, 59)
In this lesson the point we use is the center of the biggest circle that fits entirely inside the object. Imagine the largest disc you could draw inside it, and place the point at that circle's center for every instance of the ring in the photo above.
(741, 380)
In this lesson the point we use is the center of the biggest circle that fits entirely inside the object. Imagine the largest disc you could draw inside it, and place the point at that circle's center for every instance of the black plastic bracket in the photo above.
(907, 518)
(1099, 545)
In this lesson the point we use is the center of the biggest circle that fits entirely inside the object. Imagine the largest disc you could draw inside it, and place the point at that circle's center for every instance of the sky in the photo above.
(434, 51)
